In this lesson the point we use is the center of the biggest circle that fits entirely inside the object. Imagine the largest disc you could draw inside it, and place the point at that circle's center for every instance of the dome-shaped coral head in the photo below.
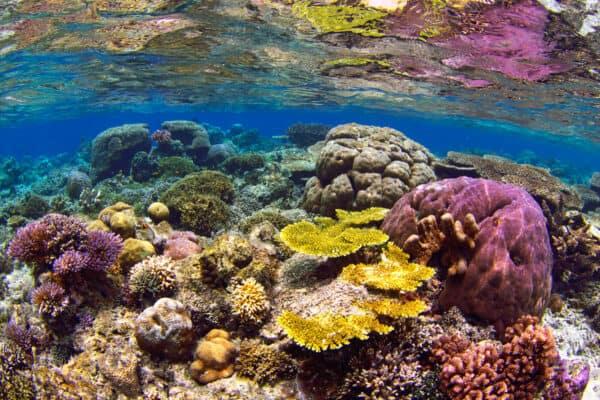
(44, 240)
(491, 239)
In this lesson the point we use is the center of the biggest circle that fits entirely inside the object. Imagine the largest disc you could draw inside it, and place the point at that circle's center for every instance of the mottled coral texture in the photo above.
(491, 236)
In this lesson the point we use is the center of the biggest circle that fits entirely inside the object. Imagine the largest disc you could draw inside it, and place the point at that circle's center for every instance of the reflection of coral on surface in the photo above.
(500, 268)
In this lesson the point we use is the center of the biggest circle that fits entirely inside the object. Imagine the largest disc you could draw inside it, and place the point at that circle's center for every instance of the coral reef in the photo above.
(333, 238)
(165, 329)
(158, 212)
(76, 183)
(214, 357)
(243, 163)
(134, 251)
(364, 166)
(175, 166)
(181, 245)
(500, 270)
(114, 148)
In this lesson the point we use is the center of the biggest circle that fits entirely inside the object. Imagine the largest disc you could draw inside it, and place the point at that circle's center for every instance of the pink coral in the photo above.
(181, 245)
(491, 238)
(162, 136)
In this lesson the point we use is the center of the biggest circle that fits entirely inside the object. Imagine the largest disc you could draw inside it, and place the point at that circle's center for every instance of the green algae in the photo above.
(341, 18)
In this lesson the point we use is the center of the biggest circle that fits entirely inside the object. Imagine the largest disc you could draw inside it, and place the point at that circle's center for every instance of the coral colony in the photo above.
(366, 275)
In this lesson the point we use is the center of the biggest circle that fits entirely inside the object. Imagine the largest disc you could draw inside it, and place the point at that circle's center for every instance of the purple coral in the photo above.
(64, 243)
(44, 240)
(497, 249)
(50, 298)
(103, 249)
(162, 136)
(511, 42)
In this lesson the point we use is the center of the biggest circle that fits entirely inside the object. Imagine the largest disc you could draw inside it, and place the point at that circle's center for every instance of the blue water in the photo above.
(574, 153)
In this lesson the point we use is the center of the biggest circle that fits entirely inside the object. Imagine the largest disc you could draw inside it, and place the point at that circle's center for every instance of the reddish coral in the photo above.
(181, 245)
(492, 238)
(519, 369)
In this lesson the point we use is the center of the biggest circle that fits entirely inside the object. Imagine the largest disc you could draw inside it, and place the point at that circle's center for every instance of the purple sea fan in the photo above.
(69, 262)
(50, 299)
(45, 240)
(102, 250)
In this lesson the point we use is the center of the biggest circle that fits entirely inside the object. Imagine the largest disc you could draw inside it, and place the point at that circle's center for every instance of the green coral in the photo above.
(393, 272)
(330, 331)
(175, 166)
(332, 238)
(341, 18)
(264, 364)
(243, 162)
(197, 202)
(278, 220)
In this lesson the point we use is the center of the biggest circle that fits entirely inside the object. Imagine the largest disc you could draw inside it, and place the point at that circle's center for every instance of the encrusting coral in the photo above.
(264, 364)
(332, 238)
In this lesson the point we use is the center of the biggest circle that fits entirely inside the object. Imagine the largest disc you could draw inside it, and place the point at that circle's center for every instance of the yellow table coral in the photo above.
(332, 238)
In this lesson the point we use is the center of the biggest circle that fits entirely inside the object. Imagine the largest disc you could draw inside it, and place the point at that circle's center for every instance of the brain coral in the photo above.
(491, 236)
(365, 166)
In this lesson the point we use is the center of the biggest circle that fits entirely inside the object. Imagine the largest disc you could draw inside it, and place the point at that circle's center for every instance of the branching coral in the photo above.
(250, 301)
(521, 368)
(393, 272)
(151, 278)
(332, 238)
(50, 299)
(329, 331)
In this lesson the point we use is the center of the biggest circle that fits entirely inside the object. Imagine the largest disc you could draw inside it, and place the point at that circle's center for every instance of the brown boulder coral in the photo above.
(365, 166)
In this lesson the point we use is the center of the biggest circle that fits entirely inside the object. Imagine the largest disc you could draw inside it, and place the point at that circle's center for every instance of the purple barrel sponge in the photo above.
(491, 237)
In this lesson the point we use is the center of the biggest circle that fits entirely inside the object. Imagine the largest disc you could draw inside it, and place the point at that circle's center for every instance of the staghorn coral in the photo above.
(521, 368)
(329, 331)
(333, 238)
(500, 270)
(250, 302)
(151, 278)
(214, 357)
(392, 272)
(264, 364)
